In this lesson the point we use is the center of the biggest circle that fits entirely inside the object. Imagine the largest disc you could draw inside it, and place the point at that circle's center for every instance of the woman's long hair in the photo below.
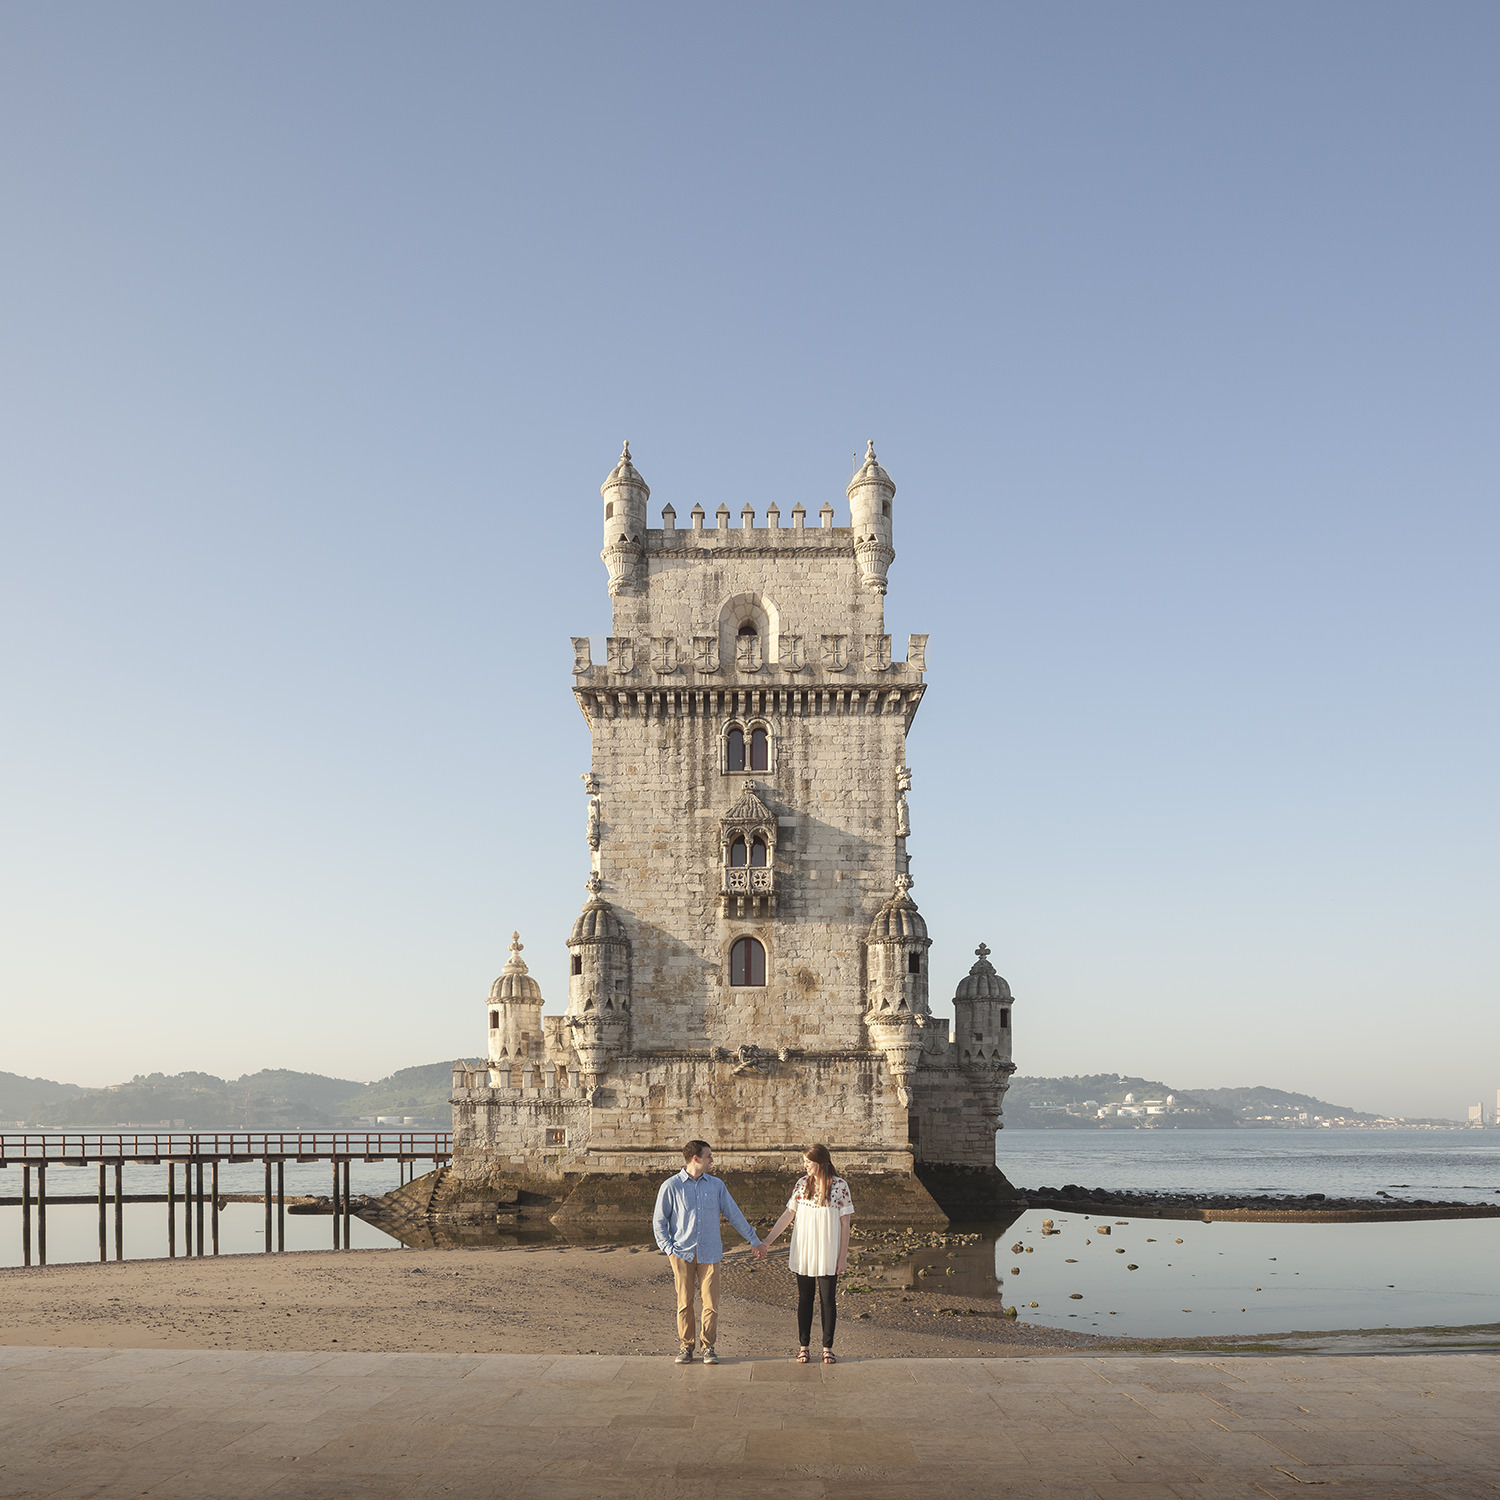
(820, 1174)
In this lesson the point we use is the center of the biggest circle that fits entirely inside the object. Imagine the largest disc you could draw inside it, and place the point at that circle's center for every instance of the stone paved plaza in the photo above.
(219, 1426)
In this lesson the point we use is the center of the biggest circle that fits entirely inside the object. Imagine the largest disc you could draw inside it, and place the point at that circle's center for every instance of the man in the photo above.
(687, 1230)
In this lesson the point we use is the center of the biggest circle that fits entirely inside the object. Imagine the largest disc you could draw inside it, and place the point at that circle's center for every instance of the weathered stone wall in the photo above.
(664, 797)
(658, 1045)
(650, 1105)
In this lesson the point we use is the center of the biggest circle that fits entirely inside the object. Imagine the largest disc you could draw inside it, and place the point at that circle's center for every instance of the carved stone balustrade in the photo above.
(748, 891)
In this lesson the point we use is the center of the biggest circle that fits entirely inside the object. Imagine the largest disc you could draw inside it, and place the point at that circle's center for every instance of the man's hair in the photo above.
(691, 1149)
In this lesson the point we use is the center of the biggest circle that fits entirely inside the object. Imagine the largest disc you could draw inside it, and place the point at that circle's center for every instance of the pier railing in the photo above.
(82, 1147)
(200, 1152)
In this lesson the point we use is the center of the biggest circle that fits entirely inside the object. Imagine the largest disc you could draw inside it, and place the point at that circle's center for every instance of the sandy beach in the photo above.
(505, 1301)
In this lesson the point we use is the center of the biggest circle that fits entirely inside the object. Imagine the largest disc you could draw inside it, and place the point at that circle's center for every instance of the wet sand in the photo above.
(505, 1301)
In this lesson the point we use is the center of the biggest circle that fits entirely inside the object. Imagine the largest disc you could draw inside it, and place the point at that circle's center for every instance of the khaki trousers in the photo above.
(693, 1279)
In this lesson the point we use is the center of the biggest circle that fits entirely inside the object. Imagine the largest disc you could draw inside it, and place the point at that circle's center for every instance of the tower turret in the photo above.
(897, 1012)
(872, 493)
(598, 986)
(515, 1006)
(625, 495)
(981, 1023)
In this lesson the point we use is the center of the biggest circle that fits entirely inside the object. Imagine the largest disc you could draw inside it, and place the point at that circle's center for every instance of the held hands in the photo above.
(759, 1251)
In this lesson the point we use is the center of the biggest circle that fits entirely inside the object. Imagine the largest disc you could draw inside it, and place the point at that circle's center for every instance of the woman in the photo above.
(821, 1214)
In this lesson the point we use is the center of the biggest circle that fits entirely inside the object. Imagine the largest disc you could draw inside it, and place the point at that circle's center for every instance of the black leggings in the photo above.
(825, 1287)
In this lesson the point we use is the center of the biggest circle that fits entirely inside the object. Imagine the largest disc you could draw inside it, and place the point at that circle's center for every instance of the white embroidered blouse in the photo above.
(816, 1228)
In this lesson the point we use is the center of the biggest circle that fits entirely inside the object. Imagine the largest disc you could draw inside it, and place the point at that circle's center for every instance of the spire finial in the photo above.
(625, 452)
(515, 964)
(983, 950)
(870, 451)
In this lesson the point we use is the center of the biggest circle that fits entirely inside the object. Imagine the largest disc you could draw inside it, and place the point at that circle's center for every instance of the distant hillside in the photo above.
(1074, 1103)
(273, 1099)
(1263, 1101)
(19, 1096)
(421, 1091)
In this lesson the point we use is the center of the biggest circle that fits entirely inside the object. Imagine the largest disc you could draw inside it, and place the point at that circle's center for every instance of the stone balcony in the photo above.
(748, 891)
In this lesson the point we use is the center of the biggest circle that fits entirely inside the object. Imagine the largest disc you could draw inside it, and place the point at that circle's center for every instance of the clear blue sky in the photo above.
(1176, 325)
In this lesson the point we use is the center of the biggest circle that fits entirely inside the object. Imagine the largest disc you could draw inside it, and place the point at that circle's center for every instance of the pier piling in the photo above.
(103, 1251)
(172, 1210)
(41, 1213)
(120, 1209)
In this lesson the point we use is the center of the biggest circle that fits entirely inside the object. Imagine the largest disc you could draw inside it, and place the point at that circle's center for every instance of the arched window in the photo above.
(748, 628)
(747, 962)
(609, 509)
(737, 853)
(760, 750)
(736, 747)
(758, 852)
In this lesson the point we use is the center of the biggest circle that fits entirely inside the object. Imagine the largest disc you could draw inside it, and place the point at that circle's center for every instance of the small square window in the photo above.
(557, 1137)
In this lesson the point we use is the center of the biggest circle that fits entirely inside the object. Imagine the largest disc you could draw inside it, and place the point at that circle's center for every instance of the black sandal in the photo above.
(801, 1358)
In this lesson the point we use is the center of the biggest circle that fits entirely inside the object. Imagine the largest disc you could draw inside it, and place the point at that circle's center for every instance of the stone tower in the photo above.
(749, 965)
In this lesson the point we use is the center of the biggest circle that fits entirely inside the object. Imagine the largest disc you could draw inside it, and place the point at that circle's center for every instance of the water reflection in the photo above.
(1154, 1278)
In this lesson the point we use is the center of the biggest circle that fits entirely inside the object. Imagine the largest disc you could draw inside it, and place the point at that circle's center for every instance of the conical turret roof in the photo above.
(597, 922)
(897, 921)
(982, 982)
(625, 475)
(870, 472)
(515, 983)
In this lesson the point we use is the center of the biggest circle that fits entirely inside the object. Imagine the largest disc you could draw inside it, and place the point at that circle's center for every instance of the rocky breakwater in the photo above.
(1285, 1208)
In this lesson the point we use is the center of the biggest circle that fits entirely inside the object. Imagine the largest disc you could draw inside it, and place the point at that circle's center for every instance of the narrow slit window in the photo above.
(760, 750)
(736, 750)
(737, 854)
(1005, 1020)
(914, 962)
(747, 963)
(494, 1020)
(609, 509)
(578, 963)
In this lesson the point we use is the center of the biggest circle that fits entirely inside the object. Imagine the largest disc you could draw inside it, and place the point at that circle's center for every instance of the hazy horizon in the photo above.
(1175, 327)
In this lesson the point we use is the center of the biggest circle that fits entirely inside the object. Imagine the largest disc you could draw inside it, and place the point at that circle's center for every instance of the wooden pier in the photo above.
(199, 1154)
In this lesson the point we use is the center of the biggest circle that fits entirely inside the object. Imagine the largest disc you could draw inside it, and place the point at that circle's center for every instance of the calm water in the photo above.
(1222, 1278)
(73, 1228)
(1456, 1165)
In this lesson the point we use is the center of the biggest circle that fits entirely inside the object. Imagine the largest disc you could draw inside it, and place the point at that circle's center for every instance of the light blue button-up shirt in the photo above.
(687, 1217)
